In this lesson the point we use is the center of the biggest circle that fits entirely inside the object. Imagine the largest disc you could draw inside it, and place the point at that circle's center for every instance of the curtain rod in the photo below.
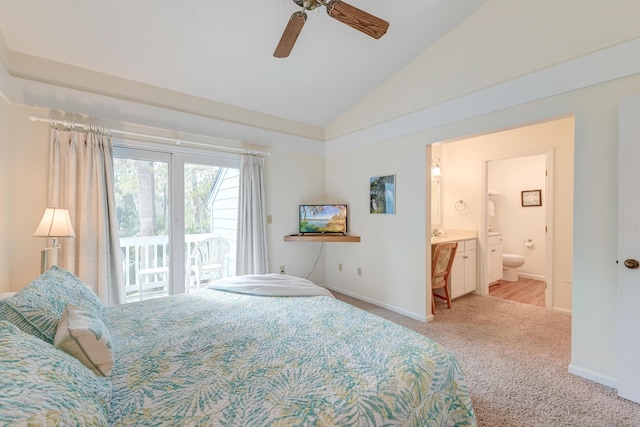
(175, 141)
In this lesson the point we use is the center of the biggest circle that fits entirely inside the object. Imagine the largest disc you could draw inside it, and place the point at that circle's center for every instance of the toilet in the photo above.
(510, 264)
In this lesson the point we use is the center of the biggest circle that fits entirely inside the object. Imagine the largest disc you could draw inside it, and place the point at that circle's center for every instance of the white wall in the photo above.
(593, 248)
(293, 179)
(502, 40)
(28, 171)
(517, 223)
(392, 250)
(5, 150)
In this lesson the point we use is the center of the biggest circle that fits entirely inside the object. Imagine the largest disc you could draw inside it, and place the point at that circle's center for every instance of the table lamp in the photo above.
(55, 223)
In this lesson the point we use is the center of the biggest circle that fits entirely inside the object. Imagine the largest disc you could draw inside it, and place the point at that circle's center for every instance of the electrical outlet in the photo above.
(340, 267)
(359, 271)
(269, 219)
(282, 269)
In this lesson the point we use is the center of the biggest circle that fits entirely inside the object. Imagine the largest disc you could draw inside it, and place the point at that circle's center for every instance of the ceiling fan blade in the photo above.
(358, 19)
(290, 35)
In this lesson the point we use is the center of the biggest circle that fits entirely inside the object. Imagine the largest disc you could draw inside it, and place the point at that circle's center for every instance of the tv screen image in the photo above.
(323, 219)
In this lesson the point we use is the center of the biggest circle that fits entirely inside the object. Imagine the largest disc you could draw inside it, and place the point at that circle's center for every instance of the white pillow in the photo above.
(84, 336)
(6, 295)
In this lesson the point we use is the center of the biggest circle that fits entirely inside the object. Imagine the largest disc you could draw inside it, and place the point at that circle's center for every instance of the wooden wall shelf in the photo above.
(321, 238)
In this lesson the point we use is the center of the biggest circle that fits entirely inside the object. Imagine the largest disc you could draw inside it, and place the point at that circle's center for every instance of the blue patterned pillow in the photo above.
(42, 385)
(37, 308)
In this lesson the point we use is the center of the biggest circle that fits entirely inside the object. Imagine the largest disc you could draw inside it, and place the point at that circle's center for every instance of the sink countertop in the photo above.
(442, 239)
(454, 237)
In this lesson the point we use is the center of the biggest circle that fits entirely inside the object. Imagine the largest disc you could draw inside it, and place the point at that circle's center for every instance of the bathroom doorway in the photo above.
(516, 223)
(464, 165)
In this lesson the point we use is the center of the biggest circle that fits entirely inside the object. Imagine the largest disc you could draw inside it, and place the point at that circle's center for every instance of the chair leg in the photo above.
(433, 304)
(446, 294)
(446, 298)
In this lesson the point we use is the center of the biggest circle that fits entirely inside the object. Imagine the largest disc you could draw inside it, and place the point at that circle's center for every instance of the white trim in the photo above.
(227, 159)
(592, 376)
(531, 276)
(114, 112)
(615, 62)
(149, 137)
(605, 65)
(381, 304)
(562, 311)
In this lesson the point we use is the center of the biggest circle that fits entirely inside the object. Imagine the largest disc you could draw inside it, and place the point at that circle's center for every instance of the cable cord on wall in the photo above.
(315, 263)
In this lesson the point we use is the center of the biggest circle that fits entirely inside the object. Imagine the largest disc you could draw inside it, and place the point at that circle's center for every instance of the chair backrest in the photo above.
(213, 249)
(441, 263)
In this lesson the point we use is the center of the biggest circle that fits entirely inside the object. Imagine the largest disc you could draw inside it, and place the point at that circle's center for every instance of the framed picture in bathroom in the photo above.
(531, 198)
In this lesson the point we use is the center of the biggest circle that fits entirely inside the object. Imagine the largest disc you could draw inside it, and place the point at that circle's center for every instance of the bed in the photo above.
(245, 352)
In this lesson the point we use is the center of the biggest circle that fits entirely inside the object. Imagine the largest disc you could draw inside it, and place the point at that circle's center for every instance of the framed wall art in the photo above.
(382, 194)
(531, 198)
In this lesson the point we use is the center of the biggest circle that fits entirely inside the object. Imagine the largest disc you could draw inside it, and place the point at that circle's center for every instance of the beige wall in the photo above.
(520, 224)
(5, 155)
(28, 171)
(462, 169)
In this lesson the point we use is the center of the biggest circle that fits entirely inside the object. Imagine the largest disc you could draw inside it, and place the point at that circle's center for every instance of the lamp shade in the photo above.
(55, 223)
(435, 167)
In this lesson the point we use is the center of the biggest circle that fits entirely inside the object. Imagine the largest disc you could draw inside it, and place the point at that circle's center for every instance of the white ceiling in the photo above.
(222, 50)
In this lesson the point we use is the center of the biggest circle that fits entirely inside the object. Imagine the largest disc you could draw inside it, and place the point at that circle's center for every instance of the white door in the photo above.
(629, 251)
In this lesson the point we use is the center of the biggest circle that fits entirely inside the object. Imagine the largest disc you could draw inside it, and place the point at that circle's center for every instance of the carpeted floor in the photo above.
(515, 359)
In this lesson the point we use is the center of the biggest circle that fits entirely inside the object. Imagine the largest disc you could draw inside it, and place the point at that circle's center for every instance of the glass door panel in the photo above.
(210, 223)
(141, 182)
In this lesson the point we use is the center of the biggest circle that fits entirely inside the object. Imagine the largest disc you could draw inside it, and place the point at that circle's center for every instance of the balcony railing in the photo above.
(146, 265)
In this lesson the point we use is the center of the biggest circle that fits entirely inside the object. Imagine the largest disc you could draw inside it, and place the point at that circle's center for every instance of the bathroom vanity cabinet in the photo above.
(494, 258)
(464, 269)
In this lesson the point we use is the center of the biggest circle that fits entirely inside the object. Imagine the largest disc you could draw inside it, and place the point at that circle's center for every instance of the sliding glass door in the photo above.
(177, 217)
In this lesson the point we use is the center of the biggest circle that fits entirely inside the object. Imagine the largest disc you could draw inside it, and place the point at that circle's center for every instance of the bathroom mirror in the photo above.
(436, 199)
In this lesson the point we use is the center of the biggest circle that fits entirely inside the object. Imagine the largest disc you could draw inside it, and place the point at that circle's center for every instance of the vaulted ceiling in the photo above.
(223, 50)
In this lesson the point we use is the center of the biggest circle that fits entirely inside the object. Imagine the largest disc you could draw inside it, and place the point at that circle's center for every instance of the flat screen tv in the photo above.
(322, 219)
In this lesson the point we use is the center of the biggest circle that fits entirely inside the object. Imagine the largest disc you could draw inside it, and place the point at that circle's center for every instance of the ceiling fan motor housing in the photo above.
(307, 4)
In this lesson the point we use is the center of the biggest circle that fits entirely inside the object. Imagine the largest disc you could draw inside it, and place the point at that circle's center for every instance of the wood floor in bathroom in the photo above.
(527, 291)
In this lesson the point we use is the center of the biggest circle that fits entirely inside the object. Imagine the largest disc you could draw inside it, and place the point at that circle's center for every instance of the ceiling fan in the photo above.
(343, 12)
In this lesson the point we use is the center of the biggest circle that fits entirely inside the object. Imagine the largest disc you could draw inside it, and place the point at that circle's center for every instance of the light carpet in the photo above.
(515, 358)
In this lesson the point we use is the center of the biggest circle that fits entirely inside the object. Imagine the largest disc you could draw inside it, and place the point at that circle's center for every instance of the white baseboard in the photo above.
(592, 376)
(380, 304)
(561, 311)
(531, 276)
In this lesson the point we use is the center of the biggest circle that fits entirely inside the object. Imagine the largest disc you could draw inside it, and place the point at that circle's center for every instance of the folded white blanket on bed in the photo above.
(270, 285)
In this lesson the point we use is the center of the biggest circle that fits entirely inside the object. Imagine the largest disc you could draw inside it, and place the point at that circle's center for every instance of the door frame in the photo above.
(548, 213)
(176, 157)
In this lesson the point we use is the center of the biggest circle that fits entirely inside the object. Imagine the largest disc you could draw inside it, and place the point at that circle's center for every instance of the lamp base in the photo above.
(49, 260)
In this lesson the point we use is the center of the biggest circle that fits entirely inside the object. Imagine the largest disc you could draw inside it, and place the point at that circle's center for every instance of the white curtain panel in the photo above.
(81, 180)
(252, 226)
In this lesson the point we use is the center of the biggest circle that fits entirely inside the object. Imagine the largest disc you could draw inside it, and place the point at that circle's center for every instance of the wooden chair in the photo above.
(441, 262)
(209, 260)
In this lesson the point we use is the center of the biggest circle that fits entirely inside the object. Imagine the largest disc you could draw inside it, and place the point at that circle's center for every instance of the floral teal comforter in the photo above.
(223, 359)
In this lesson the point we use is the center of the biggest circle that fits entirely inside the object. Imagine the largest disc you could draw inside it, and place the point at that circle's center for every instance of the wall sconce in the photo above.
(55, 223)
(435, 167)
